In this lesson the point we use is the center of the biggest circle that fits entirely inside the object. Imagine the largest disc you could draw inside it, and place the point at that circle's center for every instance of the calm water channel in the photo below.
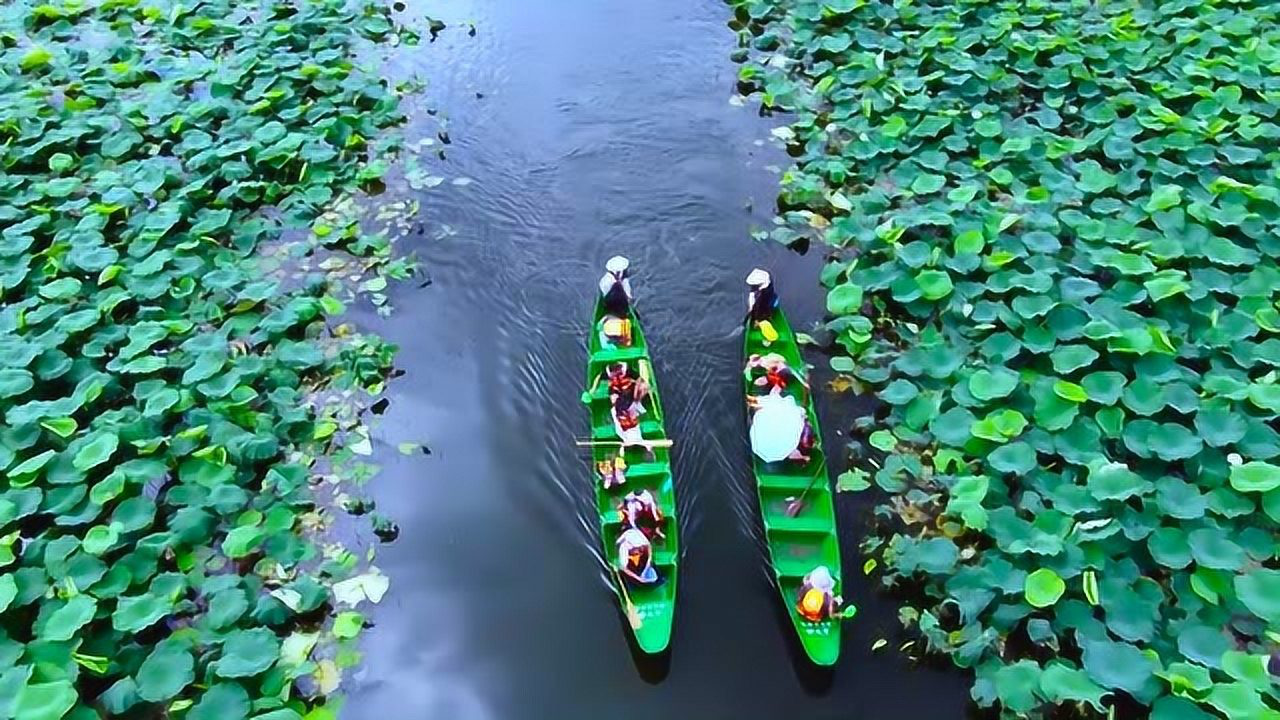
(589, 127)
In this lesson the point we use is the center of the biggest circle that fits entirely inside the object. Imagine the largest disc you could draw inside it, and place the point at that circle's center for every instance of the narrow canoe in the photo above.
(797, 544)
(654, 605)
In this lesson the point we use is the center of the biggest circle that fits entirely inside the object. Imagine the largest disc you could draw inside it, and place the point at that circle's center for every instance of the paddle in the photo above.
(645, 375)
(664, 443)
(794, 505)
(633, 615)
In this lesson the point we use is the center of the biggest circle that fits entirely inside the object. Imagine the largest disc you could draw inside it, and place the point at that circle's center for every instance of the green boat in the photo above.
(654, 606)
(797, 544)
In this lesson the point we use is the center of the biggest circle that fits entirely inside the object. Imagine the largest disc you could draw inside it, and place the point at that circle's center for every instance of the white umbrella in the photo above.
(776, 427)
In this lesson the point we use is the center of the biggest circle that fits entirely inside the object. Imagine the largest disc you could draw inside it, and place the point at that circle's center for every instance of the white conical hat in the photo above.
(617, 265)
(758, 278)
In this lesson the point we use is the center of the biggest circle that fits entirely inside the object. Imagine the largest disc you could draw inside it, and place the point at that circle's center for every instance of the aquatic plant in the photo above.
(1053, 258)
(160, 548)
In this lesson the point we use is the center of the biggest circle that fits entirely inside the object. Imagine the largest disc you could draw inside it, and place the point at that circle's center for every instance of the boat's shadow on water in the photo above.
(816, 680)
(653, 669)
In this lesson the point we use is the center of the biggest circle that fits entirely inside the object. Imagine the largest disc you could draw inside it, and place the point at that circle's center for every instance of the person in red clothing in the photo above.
(777, 373)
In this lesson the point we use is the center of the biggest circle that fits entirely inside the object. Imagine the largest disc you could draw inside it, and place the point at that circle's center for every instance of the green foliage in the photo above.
(1053, 230)
(158, 434)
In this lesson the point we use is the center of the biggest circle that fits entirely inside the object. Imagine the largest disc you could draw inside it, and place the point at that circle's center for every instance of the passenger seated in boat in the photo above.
(777, 373)
(639, 509)
(627, 386)
(762, 300)
(612, 472)
(635, 557)
(808, 441)
(817, 600)
(615, 287)
(626, 421)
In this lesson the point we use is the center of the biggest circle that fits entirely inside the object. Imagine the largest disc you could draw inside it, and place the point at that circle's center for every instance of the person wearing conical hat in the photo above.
(615, 286)
(817, 600)
(635, 557)
(762, 299)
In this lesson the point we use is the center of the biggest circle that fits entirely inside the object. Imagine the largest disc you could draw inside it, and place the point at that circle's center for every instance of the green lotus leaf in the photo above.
(1219, 426)
(988, 385)
(1169, 547)
(63, 623)
(934, 284)
(97, 450)
(1118, 665)
(1115, 481)
(1069, 358)
(1237, 700)
(899, 392)
(1259, 590)
(247, 652)
(45, 701)
(1176, 708)
(999, 426)
(166, 671)
(1017, 685)
(1060, 682)
(223, 701)
(844, 299)
(1043, 588)
(1104, 387)
(1016, 457)
(1255, 477)
(1213, 548)
(134, 613)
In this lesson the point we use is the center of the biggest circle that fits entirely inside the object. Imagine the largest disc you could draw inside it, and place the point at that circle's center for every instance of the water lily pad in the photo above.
(1259, 590)
(1213, 548)
(223, 701)
(247, 652)
(1118, 665)
(1043, 588)
(167, 670)
(1255, 477)
(1115, 481)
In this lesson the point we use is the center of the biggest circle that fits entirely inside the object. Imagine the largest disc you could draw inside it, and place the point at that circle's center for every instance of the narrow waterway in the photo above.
(587, 128)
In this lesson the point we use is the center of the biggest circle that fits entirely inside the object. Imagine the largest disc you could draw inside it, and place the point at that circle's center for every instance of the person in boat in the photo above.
(762, 300)
(613, 472)
(615, 287)
(639, 509)
(817, 600)
(808, 441)
(623, 383)
(777, 373)
(626, 420)
(635, 557)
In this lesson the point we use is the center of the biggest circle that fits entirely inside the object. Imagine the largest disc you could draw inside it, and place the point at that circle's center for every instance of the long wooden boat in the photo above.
(797, 544)
(654, 606)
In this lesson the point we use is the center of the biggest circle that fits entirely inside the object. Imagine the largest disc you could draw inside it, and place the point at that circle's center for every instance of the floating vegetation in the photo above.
(167, 397)
(1053, 257)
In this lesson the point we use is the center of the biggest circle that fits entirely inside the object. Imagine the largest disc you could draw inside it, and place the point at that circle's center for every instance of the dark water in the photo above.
(604, 127)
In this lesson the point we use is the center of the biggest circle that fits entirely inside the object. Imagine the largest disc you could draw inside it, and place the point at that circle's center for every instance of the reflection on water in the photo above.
(588, 128)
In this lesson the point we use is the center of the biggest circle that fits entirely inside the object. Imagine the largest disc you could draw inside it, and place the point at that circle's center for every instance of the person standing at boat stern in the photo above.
(762, 300)
(615, 286)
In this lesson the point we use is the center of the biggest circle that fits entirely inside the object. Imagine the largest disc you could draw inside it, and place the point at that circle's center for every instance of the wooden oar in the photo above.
(794, 506)
(664, 443)
(633, 615)
(646, 374)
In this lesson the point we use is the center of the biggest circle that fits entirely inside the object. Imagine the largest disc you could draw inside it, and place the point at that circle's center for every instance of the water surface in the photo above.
(588, 128)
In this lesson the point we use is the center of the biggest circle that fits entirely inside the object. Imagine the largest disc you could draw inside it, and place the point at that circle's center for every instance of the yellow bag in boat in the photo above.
(811, 604)
(617, 327)
(766, 329)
